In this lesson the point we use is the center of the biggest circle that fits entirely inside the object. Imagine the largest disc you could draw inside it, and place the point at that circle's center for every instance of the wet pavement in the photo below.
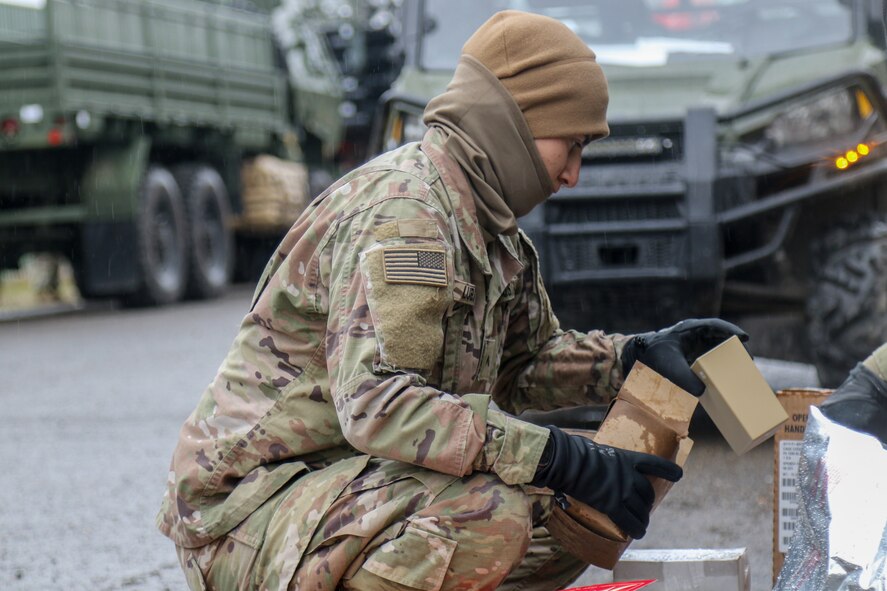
(92, 401)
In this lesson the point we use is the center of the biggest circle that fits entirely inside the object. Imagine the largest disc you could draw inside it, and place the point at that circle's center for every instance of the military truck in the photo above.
(743, 176)
(362, 36)
(151, 140)
(369, 53)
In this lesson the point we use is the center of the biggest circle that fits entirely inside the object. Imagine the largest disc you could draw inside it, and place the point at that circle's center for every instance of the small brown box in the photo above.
(737, 397)
(650, 415)
(787, 452)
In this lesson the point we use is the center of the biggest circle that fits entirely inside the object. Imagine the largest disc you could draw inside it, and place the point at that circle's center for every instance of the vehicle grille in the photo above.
(621, 209)
(626, 308)
(585, 253)
(625, 220)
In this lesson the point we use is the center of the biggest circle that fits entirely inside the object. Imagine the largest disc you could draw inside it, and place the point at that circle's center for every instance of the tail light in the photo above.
(9, 127)
(55, 137)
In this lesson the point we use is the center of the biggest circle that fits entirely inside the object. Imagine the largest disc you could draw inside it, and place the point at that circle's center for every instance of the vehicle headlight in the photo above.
(832, 115)
(404, 126)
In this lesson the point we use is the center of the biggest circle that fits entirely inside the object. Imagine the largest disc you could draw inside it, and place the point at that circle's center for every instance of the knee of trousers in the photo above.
(471, 536)
(481, 511)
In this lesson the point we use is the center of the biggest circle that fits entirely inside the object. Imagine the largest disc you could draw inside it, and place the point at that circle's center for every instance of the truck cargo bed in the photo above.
(185, 62)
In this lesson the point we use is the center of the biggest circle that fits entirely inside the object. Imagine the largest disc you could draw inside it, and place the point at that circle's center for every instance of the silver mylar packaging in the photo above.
(840, 541)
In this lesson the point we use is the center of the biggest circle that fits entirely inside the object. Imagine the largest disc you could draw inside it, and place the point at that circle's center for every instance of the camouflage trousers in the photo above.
(394, 527)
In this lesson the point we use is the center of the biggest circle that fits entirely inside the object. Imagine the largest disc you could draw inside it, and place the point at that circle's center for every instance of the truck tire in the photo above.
(210, 239)
(847, 307)
(161, 240)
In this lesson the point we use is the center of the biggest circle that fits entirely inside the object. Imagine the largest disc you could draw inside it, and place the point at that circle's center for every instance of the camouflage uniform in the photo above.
(877, 362)
(347, 438)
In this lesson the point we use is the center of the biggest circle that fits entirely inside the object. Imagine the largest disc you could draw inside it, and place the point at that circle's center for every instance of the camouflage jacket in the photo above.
(877, 362)
(382, 327)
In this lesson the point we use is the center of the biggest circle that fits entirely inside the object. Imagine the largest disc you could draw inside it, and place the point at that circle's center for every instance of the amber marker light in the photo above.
(851, 156)
(863, 149)
(842, 163)
(863, 104)
(397, 129)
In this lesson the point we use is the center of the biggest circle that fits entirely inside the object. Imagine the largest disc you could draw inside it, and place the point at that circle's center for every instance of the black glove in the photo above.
(860, 403)
(610, 479)
(669, 352)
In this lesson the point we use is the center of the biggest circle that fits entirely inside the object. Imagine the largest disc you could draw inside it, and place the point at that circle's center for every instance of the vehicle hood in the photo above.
(722, 82)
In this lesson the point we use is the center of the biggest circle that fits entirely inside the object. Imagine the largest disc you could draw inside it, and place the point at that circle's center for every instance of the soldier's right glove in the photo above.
(670, 351)
(612, 480)
(860, 403)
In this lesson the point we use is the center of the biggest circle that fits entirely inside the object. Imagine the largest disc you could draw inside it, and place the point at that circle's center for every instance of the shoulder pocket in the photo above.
(409, 288)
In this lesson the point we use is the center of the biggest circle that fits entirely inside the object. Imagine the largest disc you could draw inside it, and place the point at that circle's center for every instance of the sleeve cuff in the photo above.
(515, 446)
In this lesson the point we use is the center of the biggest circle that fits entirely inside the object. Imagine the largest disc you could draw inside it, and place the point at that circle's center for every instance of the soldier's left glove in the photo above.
(669, 352)
(860, 403)
(612, 480)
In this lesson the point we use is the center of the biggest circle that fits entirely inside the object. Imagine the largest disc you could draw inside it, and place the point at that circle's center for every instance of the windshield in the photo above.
(26, 3)
(652, 32)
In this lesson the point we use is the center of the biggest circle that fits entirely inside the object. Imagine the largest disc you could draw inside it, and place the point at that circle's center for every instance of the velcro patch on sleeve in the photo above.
(409, 313)
(416, 266)
(406, 228)
(465, 292)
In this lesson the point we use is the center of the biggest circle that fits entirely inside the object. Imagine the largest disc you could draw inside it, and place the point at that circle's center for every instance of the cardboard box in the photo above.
(680, 570)
(787, 452)
(737, 397)
(651, 415)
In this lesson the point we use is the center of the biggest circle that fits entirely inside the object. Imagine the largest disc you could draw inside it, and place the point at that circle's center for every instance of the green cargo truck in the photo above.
(125, 130)
(744, 175)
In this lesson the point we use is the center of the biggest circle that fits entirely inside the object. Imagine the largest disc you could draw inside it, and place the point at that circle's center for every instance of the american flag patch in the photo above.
(417, 266)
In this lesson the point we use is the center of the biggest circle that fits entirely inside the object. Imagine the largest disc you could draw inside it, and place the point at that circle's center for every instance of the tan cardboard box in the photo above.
(787, 452)
(737, 397)
(651, 415)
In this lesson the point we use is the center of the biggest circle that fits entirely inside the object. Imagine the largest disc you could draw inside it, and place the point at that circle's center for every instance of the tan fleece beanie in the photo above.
(551, 73)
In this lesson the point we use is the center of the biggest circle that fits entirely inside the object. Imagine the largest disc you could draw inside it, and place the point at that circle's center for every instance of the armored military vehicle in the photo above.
(151, 140)
(743, 177)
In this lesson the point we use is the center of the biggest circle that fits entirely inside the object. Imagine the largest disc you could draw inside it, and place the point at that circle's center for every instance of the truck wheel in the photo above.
(211, 253)
(162, 240)
(847, 307)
